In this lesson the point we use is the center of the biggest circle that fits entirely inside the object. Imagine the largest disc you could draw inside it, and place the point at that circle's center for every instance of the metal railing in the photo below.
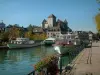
(31, 73)
(70, 56)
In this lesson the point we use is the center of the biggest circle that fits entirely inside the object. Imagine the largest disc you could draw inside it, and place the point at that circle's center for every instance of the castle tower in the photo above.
(43, 23)
(51, 21)
(65, 21)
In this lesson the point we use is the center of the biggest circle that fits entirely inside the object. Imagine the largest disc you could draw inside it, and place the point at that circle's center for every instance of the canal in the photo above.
(21, 61)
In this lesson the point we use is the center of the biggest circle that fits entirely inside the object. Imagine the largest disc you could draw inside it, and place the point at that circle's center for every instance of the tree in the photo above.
(30, 28)
(14, 32)
(97, 19)
(29, 35)
(4, 36)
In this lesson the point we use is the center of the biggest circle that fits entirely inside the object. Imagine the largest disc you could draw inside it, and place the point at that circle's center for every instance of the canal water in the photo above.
(21, 61)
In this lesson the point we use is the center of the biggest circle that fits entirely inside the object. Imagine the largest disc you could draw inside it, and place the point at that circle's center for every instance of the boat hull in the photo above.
(15, 46)
(63, 50)
(49, 43)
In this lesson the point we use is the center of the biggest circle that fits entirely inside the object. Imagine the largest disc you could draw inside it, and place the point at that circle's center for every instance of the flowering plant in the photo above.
(45, 62)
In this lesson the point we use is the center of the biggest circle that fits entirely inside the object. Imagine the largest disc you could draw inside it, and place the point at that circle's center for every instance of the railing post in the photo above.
(33, 72)
(60, 65)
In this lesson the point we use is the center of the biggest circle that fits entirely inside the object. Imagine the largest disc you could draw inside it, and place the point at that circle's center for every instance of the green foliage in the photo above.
(4, 36)
(30, 28)
(98, 1)
(35, 36)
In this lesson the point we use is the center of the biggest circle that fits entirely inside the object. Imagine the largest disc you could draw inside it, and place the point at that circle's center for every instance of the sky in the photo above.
(80, 14)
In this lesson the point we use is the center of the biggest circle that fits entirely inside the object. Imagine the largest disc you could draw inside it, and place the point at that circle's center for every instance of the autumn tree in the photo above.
(29, 35)
(15, 32)
(97, 18)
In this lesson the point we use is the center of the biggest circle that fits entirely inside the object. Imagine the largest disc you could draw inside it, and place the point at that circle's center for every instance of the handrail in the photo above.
(31, 73)
(60, 70)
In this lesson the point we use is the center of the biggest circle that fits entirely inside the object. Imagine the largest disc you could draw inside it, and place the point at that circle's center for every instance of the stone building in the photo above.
(38, 30)
(55, 28)
(52, 24)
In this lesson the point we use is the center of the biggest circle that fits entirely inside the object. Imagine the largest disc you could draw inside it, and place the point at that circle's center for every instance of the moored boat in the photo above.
(21, 43)
(67, 43)
(49, 41)
(63, 48)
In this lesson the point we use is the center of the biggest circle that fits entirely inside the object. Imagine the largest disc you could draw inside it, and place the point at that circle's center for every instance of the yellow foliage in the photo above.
(36, 36)
(14, 33)
(97, 19)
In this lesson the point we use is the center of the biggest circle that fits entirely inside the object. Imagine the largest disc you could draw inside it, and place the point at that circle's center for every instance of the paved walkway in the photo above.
(88, 61)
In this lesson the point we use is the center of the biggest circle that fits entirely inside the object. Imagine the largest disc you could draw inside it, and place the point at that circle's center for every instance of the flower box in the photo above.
(47, 65)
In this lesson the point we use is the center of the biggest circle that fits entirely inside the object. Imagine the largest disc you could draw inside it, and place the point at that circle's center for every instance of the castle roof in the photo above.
(51, 16)
(44, 20)
(65, 21)
(59, 20)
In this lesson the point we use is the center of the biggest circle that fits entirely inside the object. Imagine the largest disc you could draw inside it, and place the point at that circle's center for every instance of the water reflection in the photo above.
(20, 61)
(3, 53)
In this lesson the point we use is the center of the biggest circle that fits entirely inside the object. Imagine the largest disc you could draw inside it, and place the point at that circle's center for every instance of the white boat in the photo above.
(67, 43)
(49, 41)
(20, 43)
(63, 48)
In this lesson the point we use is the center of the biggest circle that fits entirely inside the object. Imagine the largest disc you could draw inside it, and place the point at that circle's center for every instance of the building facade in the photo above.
(82, 35)
(53, 34)
(51, 23)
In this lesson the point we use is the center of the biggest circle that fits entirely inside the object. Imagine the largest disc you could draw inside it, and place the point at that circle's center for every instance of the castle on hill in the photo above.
(52, 25)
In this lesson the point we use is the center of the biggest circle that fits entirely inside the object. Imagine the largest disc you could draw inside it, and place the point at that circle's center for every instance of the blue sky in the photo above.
(80, 14)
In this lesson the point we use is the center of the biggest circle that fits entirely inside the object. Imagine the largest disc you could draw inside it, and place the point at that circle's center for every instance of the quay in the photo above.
(3, 47)
(87, 62)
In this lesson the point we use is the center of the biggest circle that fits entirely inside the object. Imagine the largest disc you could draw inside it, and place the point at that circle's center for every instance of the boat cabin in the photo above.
(22, 41)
